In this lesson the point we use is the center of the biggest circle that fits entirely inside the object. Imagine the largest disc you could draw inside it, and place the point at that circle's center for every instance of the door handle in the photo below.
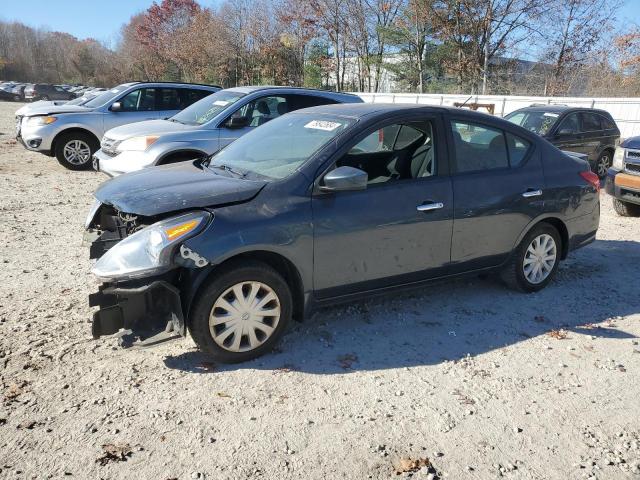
(532, 193)
(427, 207)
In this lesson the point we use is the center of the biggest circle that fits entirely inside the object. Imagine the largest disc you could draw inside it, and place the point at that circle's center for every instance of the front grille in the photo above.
(633, 168)
(108, 146)
(633, 153)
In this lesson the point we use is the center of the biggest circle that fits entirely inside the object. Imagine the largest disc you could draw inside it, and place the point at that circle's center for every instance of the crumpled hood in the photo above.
(147, 127)
(168, 188)
(51, 109)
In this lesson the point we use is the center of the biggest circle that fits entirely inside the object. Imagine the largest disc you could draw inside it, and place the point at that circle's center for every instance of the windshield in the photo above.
(105, 97)
(535, 121)
(204, 110)
(78, 101)
(277, 148)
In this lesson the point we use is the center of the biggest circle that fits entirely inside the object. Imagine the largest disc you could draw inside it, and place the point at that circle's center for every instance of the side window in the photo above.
(139, 100)
(518, 148)
(188, 96)
(261, 110)
(590, 122)
(169, 99)
(401, 151)
(607, 123)
(570, 125)
(478, 147)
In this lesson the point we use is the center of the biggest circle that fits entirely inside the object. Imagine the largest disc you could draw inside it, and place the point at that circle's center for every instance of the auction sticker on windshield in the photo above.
(220, 103)
(549, 114)
(322, 125)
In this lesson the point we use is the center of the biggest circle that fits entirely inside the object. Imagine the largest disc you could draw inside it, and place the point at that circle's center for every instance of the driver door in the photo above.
(399, 228)
(256, 112)
(135, 106)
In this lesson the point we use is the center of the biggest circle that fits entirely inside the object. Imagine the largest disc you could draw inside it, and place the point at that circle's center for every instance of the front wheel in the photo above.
(535, 260)
(75, 150)
(241, 313)
(626, 209)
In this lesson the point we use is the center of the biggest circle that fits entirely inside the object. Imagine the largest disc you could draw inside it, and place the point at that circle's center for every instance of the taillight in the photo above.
(591, 178)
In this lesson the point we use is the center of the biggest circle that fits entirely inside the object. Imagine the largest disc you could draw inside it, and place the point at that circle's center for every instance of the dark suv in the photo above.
(45, 91)
(581, 130)
(327, 204)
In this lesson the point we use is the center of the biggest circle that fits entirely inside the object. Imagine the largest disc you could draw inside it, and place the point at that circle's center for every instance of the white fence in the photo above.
(625, 111)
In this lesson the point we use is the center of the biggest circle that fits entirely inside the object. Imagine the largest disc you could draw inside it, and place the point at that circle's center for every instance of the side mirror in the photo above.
(116, 107)
(344, 179)
(237, 122)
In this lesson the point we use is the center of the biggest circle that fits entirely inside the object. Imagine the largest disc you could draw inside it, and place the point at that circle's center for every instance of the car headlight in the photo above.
(92, 213)
(150, 250)
(618, 159)
(137, 144)
(41, 120)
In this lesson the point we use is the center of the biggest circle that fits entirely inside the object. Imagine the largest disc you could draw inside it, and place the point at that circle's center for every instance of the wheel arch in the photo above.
(555, 222)
(166, 157)
(71, 130)
(278, 262)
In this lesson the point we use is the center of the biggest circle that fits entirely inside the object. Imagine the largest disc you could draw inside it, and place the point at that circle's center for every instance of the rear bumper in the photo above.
(146, 309)
(623, 186)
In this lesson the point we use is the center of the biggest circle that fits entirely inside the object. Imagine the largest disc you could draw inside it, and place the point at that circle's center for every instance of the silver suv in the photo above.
(72, 133)
(205, 127)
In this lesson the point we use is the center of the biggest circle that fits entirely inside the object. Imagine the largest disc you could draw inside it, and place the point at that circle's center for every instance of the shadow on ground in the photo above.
(449, 321)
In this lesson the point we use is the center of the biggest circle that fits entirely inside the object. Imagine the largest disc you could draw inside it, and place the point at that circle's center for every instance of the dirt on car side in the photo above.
(461, 380)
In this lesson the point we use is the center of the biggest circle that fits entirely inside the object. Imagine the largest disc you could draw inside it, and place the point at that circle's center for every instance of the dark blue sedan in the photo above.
(329, 204)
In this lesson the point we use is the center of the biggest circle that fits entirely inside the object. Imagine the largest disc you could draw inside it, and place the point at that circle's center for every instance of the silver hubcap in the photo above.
(540, 258)
(244, 316)
(603, 165)
(77, 152)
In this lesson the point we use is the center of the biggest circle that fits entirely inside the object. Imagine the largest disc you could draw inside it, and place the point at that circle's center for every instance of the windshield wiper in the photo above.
(228, 169)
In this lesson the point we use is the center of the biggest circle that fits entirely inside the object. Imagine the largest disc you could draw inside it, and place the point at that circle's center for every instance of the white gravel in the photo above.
(465, 373)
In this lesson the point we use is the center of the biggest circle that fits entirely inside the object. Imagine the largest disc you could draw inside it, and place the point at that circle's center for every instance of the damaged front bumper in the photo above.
(151, 311)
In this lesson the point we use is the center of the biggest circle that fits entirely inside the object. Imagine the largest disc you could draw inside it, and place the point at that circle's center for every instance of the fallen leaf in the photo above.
(114, 453)
(223, 395)
(408, 465)
(558, 334)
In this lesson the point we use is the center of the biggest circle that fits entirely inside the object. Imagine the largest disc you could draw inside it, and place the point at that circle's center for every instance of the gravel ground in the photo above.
(481, 381)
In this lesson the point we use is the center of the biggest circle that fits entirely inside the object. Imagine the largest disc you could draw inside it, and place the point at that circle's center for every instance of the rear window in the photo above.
(590, 122)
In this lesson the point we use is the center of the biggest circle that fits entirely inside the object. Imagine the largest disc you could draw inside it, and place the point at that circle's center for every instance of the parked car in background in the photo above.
(205, 127)
(623, 179)
(6, 93)
(18, 91)
(45, 91)
(581, 130)
(72, 133)
(328, 204)
(42, 106)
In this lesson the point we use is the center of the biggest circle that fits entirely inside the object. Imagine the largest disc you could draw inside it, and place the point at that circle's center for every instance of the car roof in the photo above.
(177, 84)
(258, 88)
(358, 110)
(555, 108)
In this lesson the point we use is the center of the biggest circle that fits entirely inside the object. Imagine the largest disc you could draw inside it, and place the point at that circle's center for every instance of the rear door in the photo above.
(498, 187)
(398, 229)
(135, 106)
(568, 134)
(594, 136)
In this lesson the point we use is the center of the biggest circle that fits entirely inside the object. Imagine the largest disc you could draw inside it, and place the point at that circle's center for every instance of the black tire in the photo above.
(230, 275)
(602, 164)
(513, 272)
(626, 209)
(61, 142)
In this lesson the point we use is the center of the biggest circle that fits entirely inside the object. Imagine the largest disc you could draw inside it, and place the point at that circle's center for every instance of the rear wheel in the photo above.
(75, 150)
(241, 313)
(535, 261)
(602, 164)
(626, 209)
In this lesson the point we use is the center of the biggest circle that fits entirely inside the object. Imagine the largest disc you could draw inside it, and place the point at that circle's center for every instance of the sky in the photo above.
(102, 19)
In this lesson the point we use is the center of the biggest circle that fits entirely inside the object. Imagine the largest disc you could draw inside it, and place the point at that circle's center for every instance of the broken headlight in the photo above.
(618, 159)
(150, 250)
